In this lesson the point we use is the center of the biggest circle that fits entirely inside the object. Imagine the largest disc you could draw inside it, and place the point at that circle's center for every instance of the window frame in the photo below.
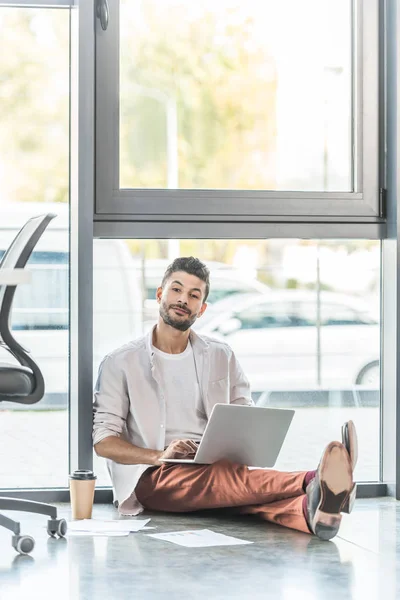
(363, 204)
(83, 230)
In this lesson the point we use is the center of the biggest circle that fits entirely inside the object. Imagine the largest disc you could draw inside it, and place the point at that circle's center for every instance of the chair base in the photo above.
(24, 544)
(23, 506)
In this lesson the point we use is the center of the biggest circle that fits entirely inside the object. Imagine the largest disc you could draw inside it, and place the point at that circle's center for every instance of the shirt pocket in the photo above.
(218, 392)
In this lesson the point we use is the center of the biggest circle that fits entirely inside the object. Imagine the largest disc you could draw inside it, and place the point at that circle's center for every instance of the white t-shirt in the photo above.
(182, 395)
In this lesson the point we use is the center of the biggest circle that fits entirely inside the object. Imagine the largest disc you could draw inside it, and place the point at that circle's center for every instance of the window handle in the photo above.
(102, 13)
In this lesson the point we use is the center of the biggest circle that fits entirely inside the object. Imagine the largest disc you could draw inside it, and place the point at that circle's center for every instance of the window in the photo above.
(328, 372)
(184, 91)
(205, 109)
(34, 179)
(216, 114)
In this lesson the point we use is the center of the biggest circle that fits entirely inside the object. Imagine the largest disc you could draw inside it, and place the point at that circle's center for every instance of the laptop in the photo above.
(248, 435)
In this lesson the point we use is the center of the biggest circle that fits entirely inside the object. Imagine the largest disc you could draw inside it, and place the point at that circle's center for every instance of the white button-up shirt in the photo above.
(129, 403)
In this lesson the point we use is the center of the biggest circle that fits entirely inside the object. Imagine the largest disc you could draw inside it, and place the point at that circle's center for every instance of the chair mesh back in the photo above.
(11, 257)
(18, 255)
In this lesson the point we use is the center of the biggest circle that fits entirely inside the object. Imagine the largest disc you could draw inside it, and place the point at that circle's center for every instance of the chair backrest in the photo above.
(16, 257)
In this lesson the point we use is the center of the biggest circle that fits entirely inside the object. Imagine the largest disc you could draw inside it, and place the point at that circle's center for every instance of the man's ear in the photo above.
(203, 308)
(159, 294)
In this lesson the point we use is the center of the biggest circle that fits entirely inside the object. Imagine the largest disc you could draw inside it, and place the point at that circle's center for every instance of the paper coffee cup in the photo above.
(81, 486)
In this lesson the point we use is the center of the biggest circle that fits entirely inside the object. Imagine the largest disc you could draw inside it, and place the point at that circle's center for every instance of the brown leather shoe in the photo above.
(328, 493)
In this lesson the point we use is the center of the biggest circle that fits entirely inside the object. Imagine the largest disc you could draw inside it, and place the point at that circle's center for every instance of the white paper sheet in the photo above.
(98, 533)
(113, 526)
(199, 538)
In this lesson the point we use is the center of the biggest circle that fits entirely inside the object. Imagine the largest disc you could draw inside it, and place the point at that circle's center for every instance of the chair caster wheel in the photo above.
(24, 544)
(57, 527)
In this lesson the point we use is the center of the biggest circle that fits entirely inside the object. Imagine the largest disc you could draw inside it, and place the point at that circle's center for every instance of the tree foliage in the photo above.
(222, 83)
(34, 99)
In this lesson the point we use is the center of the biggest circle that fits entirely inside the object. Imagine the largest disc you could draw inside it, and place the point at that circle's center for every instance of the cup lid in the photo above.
(82, 474)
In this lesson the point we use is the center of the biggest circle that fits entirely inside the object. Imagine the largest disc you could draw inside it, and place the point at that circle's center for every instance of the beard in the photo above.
(181, 324)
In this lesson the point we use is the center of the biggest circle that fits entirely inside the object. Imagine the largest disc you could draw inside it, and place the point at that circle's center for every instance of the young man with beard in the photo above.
(153, 398)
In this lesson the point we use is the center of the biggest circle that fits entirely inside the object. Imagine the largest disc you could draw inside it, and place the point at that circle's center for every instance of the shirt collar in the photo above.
(199, 344)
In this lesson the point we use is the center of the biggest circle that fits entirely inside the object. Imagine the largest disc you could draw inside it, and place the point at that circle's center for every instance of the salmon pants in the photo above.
(272, 495)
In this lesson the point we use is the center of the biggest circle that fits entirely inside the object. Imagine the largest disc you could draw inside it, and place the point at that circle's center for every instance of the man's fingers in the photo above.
(181, 449)
(193, 446)
(184, 447)
(190, 445)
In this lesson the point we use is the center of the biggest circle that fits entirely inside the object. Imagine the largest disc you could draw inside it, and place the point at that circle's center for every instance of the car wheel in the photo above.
(369, 375)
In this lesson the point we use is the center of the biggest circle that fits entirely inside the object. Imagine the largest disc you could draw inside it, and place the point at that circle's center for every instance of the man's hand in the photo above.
(179, 449)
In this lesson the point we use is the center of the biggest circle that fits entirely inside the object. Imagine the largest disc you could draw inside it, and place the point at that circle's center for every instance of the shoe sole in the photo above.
(350, 441)
(336, 485)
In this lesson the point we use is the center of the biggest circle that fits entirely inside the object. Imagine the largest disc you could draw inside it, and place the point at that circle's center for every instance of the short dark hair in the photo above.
(190, 265)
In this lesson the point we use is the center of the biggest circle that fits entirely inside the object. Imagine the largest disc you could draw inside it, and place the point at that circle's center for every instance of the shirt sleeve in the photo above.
(111, 401)
(239, 384)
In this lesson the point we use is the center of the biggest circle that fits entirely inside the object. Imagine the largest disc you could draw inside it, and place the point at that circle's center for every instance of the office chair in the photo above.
(22, 383)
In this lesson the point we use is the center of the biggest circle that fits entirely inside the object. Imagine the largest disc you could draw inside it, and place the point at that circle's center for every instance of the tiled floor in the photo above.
(363, 562)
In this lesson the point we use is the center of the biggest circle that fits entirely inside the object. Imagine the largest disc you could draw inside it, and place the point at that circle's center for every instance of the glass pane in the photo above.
(234, 95)
(301, 316)
(34, 173)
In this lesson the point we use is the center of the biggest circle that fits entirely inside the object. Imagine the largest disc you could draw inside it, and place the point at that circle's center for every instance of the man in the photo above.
(153, 398)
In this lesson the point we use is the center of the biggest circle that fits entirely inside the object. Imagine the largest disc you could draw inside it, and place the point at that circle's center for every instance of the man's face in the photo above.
(181, 300)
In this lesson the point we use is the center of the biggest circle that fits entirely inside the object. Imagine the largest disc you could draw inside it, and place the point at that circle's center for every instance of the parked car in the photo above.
(40, 317)
(225, 281)
(276, 339)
